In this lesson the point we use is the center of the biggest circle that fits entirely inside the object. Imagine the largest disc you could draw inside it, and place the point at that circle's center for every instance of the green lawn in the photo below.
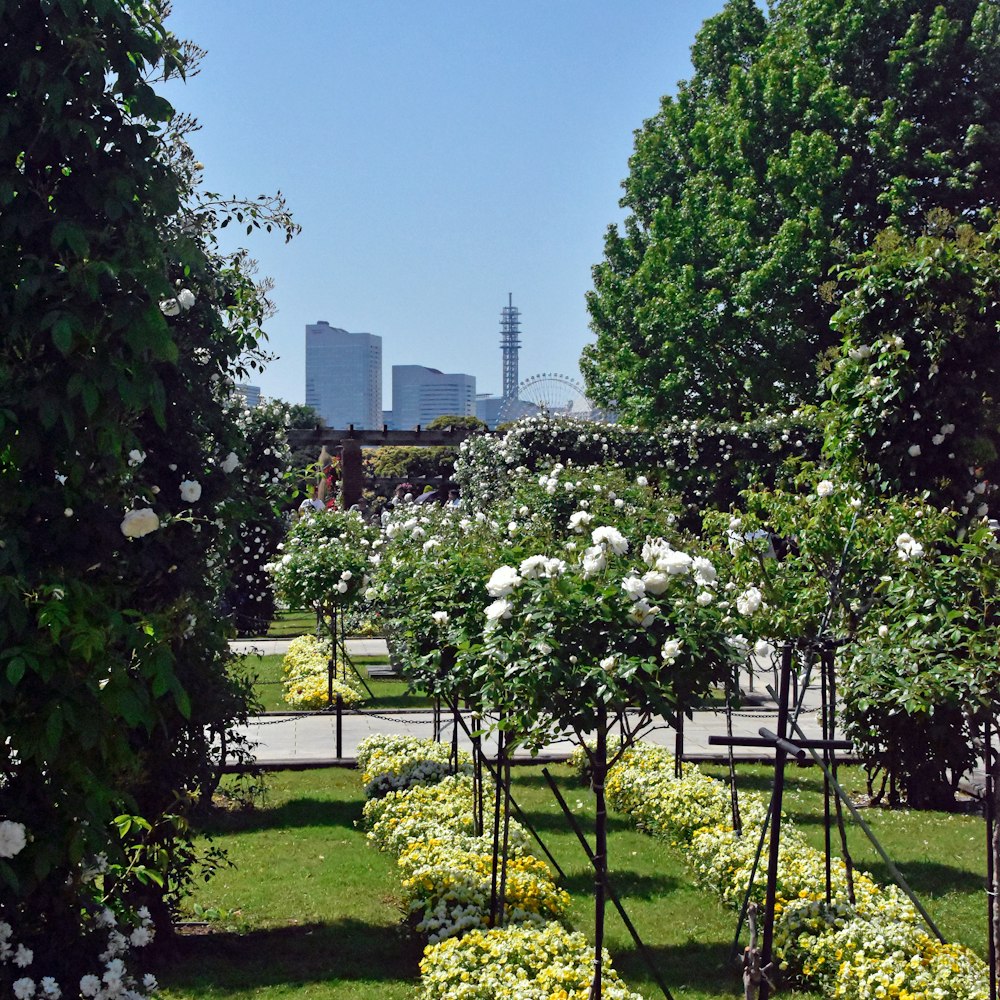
(309, 910)
(388, 693)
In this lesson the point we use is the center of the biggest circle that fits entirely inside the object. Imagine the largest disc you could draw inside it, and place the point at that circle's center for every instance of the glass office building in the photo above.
(420, 394)
(344, 376)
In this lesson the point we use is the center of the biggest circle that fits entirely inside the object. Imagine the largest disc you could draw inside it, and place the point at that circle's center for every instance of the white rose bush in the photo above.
(117, 685)
(325, 561)
(903, 590)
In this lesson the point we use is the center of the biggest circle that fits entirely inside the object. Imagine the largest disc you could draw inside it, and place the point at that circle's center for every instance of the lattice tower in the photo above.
(510, 344)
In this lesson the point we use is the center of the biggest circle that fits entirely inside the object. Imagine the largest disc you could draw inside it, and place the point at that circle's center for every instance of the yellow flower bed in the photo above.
(390, 763)
(872, 948)
(306, 684)
(447, 879)
(516, 963)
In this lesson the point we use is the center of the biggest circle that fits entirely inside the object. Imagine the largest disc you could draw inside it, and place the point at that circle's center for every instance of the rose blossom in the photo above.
(12, 838)
(749, 601)
(503, 581)
(190, 490)
(140, 522)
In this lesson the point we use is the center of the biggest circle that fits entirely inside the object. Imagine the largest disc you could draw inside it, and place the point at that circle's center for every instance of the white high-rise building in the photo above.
(420, 394)
(344, 376)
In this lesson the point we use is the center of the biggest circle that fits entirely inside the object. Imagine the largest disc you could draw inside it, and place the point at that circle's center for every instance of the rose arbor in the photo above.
(579, 634)
(325, 566)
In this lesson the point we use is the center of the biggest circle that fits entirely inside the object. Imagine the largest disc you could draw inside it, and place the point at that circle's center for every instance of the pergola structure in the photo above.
(348, 443)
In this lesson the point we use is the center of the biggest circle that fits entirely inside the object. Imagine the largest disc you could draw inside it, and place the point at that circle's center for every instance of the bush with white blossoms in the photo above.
(703, 462)
(428, 583)
(873, 947)
(325, 560)
(110, 939)
(595, 626)
(905, 591)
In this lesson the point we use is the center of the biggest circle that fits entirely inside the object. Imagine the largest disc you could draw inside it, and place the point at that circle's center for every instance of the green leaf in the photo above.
(16, 669)
(62, 334)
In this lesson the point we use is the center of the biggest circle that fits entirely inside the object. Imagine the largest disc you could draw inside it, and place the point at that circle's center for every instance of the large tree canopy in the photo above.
(796, 140)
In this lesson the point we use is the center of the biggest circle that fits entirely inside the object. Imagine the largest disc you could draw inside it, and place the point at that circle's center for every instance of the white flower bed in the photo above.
(873, 948)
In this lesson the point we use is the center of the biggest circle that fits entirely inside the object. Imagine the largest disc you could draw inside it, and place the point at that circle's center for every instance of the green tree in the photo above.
(796, 140)
(458, 421)
(124, 330)
(913, 396)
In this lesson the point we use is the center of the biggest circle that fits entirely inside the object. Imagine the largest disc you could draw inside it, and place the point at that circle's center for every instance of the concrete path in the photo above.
(311, 740)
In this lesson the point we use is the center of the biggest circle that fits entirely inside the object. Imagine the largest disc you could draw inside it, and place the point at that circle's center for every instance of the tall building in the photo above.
(344, 376)
(250, 394)
(420, 394)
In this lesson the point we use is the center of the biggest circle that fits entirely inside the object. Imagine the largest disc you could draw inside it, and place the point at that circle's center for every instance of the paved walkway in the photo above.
(312, 740)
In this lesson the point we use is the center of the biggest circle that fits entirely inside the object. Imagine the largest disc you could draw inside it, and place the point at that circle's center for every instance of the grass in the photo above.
(310, 910)
(288, 624)
(389, 693)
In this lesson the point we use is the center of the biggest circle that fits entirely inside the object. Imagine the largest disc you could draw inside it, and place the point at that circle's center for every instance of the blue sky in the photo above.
(437, 155)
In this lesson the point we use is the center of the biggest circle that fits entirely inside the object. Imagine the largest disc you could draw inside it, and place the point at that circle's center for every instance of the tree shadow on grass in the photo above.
(628, 885)
(556, 822)
(929, 878)
(693, 965)
(299, 812)
(343, 950)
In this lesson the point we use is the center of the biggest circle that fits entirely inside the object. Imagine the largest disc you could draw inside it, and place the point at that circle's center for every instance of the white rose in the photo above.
(913, 450)
(608, 663)
(907, 547)
(533, 567)
(655, 582)
(705, 598)
(612, 538)
(749, 601)
(594, 560)
(170, 307)
(230, 462)
(883, 631)
(671, 650)
(136, 457)
(501, 608)
(738, 644)
(634, 588)
(824, 488)
(190, 490)
(502, 582)
(641, 481)
(674, 562)
(440, 617)
(12, 838)
(705, 574)
(139, 522)
(185, 298)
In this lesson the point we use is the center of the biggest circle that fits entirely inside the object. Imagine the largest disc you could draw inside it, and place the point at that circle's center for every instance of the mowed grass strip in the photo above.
(389, 693)
(307, 910)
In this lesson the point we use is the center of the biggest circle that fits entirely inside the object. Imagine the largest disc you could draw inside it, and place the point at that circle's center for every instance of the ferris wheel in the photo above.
(551, 393)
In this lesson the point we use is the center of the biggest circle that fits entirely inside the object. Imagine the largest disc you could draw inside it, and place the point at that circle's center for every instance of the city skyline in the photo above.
(438, 156)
